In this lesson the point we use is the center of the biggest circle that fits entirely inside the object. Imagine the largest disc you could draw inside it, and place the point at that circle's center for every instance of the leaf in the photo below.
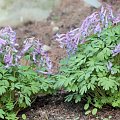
(27, 101)
(27, 57)
(100, 68)
(18, 85)
(68, 98)
(3, 71)
(12, 78)
(100, 56)
(105, 118)
(83, 90)
(23, 68)
(92, 86)
(10, 105)
(1, 76)
(60, 82)
(87, 75)
(87, 112)
(2, 113)
(106, 83)
(24, 117)
(34, 87)
(2, 89)
(12, 86)
(74, 88)
(26, 90)
(77, 98)
(94, 111)
(86, 106)
(11, 116)
(4, 83)
(107, 52)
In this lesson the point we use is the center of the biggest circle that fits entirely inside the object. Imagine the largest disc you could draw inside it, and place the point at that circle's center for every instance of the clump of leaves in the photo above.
(21, 82)
(17, 86)
(93, 72)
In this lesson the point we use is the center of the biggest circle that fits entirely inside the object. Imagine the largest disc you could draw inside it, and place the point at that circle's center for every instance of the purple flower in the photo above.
(116, 20)
(102, 15)
(109, 66)
(49, 64)
(9, 34)
(8, 57)
(41, 58)
(116, 50)
(2, 42)
(28, 43)
(8, 37)
(70, 40)
(97, 28)
(110, 14)
(91, 25)
(106, 21)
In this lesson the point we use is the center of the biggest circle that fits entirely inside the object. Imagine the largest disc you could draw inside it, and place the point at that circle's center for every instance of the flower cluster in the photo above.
(8, 45)
(12, 55)
(91, 25)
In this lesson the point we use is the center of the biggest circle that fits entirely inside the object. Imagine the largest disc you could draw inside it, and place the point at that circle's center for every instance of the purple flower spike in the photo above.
(97, 29)
(28, 43)
(106, 21)
(49, 64)
(92, 24)
(110, 14)
(109, 67)
(116, 50)
(8, 57)
(2, 42)
(8, 33)
(116, 20)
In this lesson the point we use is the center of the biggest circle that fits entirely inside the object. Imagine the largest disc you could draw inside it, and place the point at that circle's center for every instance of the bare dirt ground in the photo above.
(68, 15)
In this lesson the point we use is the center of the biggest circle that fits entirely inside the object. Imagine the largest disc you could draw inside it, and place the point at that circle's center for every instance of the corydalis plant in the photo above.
(93, 72)
(91, 25)
(11, 55)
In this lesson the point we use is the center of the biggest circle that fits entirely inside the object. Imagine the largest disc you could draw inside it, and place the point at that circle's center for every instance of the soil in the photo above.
(68, 15)
(53, 107)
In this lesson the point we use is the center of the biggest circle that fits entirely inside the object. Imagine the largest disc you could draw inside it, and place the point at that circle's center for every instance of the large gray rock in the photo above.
(93, 3)
(14, 12)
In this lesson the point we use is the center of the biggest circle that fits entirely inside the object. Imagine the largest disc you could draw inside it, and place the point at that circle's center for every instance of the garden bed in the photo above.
(53, 107)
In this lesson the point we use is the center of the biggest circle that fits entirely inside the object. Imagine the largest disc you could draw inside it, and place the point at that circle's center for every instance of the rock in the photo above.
(15, 12)
(46, 48)
(55, 29)
(93, 3)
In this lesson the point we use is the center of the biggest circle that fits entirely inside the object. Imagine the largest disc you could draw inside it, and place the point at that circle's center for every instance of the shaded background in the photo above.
(15, 12)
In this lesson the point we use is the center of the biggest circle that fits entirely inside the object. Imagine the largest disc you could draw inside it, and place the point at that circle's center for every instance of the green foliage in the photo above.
(24, 117)
(86, 73)
(19, 86)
